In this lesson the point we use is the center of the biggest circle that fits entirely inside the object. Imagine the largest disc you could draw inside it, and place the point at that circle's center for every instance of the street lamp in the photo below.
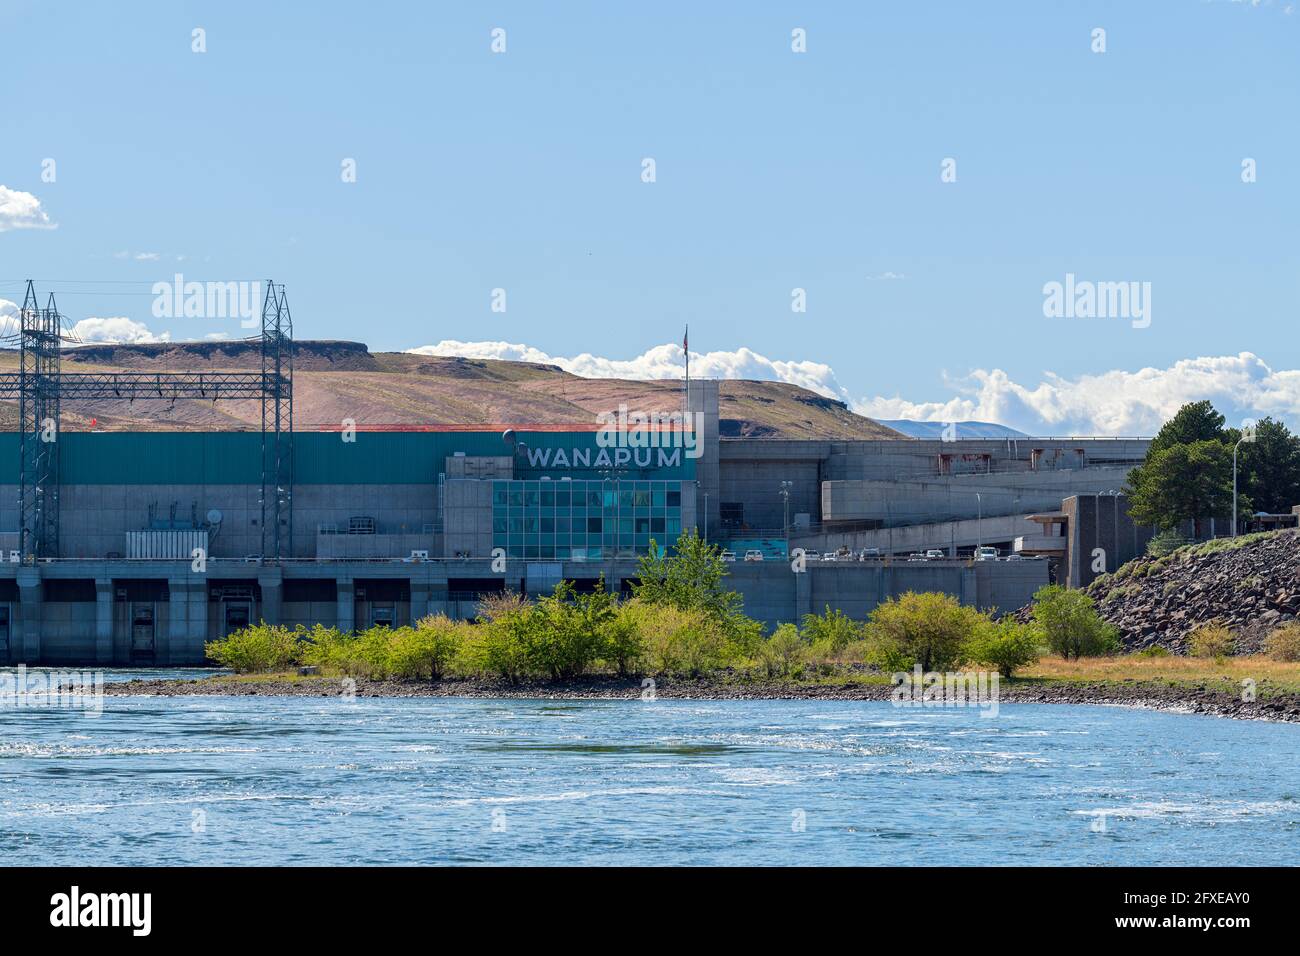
(785, 527)
(1248, 436)
(979, 523)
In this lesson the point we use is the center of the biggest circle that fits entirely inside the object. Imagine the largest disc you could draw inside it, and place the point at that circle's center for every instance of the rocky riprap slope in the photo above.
(1250, 584)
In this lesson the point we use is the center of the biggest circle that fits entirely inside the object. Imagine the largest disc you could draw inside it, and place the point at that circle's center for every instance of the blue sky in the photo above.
(775, 170)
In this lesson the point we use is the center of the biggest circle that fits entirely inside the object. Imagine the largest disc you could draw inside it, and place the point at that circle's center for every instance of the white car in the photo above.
(935, 553)
(986, 554)
(830, 556)
(753, 554)
(812, 555)
(1014, 556)
(728, 556)
(916, 556)
(867, 553)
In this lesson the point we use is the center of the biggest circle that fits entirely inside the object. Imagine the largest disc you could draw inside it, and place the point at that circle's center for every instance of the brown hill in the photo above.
(345, 380)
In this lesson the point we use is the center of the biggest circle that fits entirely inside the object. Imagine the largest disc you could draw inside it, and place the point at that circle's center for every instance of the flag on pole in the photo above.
(686, 347)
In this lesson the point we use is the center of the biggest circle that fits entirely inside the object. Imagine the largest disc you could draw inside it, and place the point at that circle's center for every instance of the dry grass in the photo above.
(1282, 676)
(337, 380)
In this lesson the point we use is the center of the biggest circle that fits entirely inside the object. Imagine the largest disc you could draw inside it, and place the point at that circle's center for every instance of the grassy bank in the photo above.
(1271, 677)
(684, 628)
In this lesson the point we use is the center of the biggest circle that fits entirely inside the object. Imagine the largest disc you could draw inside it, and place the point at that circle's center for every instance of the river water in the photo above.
(230, 780)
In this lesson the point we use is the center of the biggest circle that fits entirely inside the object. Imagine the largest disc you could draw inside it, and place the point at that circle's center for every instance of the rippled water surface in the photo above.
(217, 780)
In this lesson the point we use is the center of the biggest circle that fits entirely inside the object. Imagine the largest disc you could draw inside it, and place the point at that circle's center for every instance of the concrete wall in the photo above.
(187, 611)
(467, 525)
(945, 498)
(342, 546)
(702, 398)
(94, 519)
(917, 458)
(909, 480)
(756, 484)
(774, 594)
(966, 534)
(1100, 521)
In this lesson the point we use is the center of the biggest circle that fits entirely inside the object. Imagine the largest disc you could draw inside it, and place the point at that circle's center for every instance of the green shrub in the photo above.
(679, 641)
(256, 649)
(743, 639)
(1165, 542)
(357, 655)
(1284, 643)
(621, 644)
(1069, 624)
(498, 645)
(561, 633)
(690, 579)
(929, 629)
(830, 631)
(1006, 644)
(427, 650)
(1210, 640)
(783, 652)
(1155, 650)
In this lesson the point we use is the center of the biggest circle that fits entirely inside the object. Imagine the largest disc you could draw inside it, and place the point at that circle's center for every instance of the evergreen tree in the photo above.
(1183, 482)
(1269, 468)
(1195, 421)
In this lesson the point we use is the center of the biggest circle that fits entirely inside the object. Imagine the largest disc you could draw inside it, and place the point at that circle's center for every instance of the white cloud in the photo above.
(20, 210)
(1117, 402)
(9, 322)
(117, 330)
(148, 256)
(662, 361)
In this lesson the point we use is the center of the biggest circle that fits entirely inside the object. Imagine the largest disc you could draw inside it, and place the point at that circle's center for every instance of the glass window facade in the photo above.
(584, 520)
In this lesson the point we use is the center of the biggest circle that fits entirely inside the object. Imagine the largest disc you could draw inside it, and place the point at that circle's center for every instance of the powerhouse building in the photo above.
(160, 546)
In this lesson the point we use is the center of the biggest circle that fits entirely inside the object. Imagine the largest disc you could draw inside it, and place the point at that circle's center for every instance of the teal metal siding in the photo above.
(320, 458)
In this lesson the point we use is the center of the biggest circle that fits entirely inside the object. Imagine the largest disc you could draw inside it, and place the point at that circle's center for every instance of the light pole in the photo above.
(785, 526)
(1248, 436)
(979, 523)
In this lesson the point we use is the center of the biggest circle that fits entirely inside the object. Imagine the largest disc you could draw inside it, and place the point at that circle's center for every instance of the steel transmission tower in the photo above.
(40, 384)
(277, 421)
(40, 335)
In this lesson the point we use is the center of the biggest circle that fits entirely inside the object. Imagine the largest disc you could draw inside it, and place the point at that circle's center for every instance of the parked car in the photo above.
(1014, 556)
(935, 553)
(753, 554)
(916, 556)
(986, 553)
(728, 556)
(830, 556)
(812, 555)
(868, 553)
